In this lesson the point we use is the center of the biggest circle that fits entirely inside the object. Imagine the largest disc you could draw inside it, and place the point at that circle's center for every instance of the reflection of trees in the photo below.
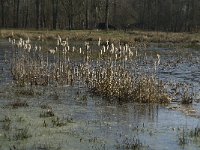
(132, 113)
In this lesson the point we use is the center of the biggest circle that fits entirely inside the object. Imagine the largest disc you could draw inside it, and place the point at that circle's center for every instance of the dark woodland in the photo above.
(162, 15)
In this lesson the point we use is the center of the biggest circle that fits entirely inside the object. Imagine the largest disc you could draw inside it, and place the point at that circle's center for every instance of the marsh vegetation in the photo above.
(110, 71)
(97, 94)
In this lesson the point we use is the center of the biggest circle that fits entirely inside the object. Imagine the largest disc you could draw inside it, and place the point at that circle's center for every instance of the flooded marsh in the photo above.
(98, 95)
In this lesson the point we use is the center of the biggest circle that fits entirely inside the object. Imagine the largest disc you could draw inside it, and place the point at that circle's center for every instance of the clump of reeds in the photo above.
(110, 70)
(187, 97)
(48, 113)
(22, 134)
(6, 119)
(58, 122)
(183, 93)
(32, 66)
(6, 123)
(113, 79)
(45, 106)
(182, 140)
(25, 92)
(18, 103)
(130, 143)
(122, 85)
(188, 135)
(195, 132)
(47, 146)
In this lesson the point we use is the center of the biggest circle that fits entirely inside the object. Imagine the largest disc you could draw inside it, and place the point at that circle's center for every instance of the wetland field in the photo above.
(99, 91)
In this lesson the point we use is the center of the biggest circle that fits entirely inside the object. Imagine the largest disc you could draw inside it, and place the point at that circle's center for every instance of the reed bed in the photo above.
(109, 70)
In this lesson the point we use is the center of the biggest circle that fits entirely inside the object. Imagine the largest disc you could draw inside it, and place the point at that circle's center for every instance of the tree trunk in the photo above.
(27, 14)
(70, 16)
(107, 14)
(2, 13)
(42, 18)
(17, 17)
(193, 21)
(14, 14)
(96, 17)
(143, 14)
(87, 15)
(55, 13)
(115, 12)
(187, 20)
(37, 14)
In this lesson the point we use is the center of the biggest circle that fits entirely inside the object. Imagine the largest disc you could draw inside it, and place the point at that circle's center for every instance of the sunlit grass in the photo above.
(115, 36)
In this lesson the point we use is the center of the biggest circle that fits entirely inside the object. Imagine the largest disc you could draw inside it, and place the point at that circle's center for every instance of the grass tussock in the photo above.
(6, 119)
(187, 98)
(57, 122)
(18, 103)
(130, 143)
(45, 106)
(21, 134)
(6, 123)
(195, 132)
(48, 113)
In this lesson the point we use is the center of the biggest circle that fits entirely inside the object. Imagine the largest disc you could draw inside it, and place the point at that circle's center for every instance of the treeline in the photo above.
(165, 15)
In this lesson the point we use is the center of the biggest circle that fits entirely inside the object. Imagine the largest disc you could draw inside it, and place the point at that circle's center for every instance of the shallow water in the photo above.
(91, 122)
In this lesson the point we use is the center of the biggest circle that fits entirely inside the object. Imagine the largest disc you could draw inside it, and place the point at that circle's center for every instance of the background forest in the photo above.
(163, 15)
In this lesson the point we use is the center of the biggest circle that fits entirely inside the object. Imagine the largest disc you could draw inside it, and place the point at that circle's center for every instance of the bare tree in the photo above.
(107, 14)
(2, 13)
(55, 13)
(87, 14)
(166, 15)
(38, 8)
